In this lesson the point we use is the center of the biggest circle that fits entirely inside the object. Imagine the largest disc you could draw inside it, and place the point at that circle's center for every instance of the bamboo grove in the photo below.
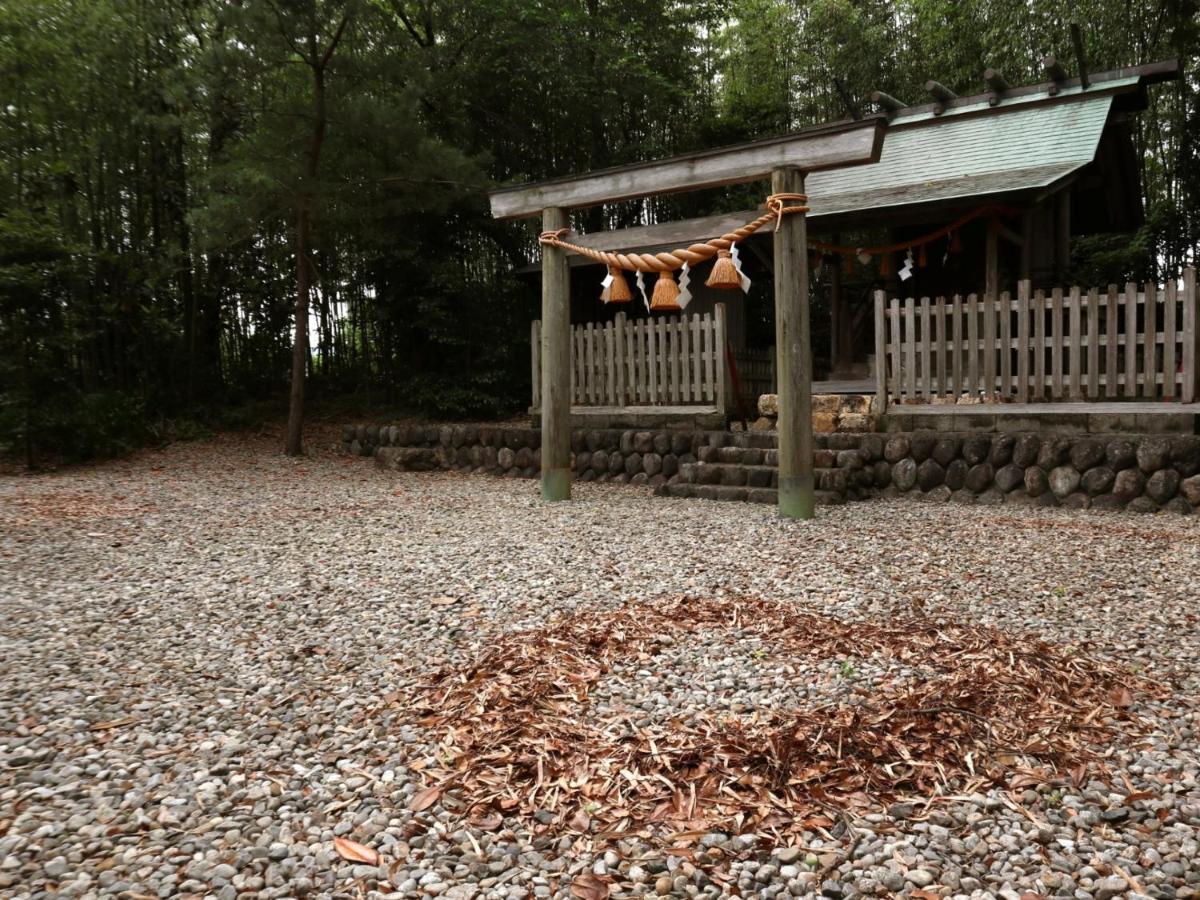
(179, 179)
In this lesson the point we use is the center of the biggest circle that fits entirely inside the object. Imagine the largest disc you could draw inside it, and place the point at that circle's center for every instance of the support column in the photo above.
(797, 498)
(1026, 245)
(842, 364)
(835, 315)
(991, 264)
(1062, 244)
(556, 364)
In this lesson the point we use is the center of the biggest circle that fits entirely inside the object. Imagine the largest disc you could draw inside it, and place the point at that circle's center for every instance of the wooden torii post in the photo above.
(785, 161)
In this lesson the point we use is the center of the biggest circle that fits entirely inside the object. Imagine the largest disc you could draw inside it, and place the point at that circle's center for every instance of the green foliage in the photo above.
(69, 426)
(154, 155)
(470, 398)
(98, 425)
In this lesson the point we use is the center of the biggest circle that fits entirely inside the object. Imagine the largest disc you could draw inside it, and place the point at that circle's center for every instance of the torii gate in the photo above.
(785, 160)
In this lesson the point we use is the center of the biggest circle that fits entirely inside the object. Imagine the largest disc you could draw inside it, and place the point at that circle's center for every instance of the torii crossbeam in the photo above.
(785, 160)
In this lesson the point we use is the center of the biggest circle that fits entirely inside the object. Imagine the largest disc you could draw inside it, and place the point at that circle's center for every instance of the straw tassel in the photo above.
(848, 264)
(922, 261)
(885, 265)
(618, 290)
(724, 275)
(666, 294)
(955, 242)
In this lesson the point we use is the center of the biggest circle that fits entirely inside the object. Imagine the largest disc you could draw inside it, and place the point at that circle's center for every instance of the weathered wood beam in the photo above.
(556, 364)
(835, 312)
(887, 102)
(1062, 248)
(991, 267)
(941, 95)
(1055, 72)
(997, 82)
(1149, 73)
(823, 147)
(1027, 218)
(1080, 59)
(939, 91)
(666, 234)
(793, 354)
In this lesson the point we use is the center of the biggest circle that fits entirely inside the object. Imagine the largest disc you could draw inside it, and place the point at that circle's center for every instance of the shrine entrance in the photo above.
(786, 161)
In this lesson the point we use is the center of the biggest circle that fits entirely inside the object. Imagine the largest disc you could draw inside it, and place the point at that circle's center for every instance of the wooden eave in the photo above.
(813, 149)
(1149, 73)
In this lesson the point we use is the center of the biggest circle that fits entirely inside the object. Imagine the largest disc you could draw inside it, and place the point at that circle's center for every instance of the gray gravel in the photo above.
(205, 651)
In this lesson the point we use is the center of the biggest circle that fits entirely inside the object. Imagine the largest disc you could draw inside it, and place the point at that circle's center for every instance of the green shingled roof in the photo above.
(962, 155)
(972, 150)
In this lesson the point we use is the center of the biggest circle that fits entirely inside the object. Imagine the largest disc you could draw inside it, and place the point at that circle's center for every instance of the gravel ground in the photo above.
(206, 651)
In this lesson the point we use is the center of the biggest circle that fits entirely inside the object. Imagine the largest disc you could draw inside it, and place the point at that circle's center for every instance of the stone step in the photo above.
(729, 474)
(749, 456)
(827, 478)
(757, 440)
(731, 493)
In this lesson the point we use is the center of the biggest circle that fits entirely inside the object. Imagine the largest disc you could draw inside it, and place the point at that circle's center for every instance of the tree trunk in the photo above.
(295, 428)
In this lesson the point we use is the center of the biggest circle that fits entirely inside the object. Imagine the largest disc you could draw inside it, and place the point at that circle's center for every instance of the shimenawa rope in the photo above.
(669, 261)
(697, 253)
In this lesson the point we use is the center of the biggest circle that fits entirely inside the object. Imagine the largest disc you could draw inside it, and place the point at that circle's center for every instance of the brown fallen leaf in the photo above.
(115, 723)
(353, 851)
(993, 705)
(443, 601)
(581, 821)
(590, 887)
(425, 799)
(487, 823)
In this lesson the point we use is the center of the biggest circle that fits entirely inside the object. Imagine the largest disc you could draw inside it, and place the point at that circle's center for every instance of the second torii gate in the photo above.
(785, 160)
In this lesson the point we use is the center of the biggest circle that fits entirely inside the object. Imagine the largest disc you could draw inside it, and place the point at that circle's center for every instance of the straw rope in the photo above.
(669, 261)
(992, 210)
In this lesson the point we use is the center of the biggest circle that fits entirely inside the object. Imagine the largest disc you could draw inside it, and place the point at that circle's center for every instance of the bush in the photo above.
(473, 398)
(75, 429)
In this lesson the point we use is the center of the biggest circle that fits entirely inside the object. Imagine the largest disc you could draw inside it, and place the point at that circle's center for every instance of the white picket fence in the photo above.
(1076, 345)
(663, 361)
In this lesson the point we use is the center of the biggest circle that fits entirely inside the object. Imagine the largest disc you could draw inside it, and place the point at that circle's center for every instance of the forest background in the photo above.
(179, 179)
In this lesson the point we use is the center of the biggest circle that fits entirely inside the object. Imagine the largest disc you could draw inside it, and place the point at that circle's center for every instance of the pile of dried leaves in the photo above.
(518, 733)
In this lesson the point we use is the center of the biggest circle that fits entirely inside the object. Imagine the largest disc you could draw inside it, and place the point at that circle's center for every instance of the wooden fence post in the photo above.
(1112, 330)
(1131, 341)
(535, 344)
(1191, 338)
(1170, 334)
(881, 394)
(556, 364)
(622, 387)
(991, 300)
(721, 362)
(797, 497)
(1023, 340)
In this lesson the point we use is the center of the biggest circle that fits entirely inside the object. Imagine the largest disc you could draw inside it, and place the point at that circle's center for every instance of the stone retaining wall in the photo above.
(1140, 473)
(714, 461)
(845, 413)
(624, 457)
